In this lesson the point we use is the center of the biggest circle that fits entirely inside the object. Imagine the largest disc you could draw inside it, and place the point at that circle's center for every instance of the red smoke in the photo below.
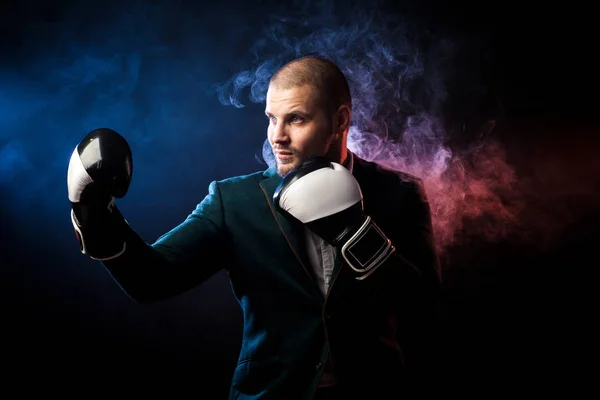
(477, 194)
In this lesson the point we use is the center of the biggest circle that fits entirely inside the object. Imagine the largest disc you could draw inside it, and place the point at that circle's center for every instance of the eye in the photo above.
(296, 118)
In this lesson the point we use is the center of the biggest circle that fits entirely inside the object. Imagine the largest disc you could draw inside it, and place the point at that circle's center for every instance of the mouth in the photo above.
(284, 155)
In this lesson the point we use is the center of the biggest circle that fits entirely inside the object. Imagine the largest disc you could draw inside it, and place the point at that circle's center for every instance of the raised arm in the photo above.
(100, 171)
(179, 260)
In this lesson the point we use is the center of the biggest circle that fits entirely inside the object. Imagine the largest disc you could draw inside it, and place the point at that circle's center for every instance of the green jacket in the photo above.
(371, 329)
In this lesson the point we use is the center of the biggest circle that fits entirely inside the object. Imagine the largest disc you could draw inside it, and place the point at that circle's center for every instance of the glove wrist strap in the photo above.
(367, 249)
(112, 247)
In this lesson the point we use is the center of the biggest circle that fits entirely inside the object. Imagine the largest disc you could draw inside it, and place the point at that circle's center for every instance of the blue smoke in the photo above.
(391, 76)
(145, 70)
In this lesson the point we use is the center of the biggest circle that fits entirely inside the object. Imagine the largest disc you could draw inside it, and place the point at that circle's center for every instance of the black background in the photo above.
(515, 316)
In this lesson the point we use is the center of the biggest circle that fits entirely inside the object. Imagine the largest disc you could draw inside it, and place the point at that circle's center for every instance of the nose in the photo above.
(279, 134)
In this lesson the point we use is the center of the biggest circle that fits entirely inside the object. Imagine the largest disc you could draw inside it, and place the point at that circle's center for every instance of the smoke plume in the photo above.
(398, 77)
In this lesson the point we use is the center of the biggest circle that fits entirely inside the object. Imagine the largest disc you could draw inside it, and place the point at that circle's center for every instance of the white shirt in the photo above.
(321, 256)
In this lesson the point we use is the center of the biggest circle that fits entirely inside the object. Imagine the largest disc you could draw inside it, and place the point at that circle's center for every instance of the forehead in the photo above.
(281, 99)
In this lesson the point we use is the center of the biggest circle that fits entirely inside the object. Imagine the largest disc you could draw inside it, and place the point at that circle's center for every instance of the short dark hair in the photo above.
(320, 73)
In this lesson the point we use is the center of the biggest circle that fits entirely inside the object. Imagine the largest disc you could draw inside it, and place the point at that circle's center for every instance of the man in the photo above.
(331, 257)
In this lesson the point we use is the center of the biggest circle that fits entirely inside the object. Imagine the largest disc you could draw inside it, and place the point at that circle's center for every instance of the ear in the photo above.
(343, 117)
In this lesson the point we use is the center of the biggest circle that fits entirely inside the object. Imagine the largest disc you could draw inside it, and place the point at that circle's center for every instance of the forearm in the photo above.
(149, 273)
(415, 299)
(403, 272)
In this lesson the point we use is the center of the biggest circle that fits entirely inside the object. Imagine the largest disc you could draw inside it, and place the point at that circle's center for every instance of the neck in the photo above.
(344, 159)
(338, 152)
(338, 155)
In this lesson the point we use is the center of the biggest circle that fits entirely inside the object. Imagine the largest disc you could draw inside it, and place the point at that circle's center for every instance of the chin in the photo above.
(284, 169)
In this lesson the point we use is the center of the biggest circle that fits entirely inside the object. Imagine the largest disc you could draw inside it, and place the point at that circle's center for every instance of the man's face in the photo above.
(299, 127)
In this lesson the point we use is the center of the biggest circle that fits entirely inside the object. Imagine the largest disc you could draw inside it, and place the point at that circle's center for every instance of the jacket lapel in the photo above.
(293, 231)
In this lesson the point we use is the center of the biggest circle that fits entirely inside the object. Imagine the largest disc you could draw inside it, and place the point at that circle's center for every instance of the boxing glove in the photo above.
(100, 170)
(326, 198)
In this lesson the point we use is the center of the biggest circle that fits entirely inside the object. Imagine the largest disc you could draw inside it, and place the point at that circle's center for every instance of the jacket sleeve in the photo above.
(410, 279)
(414, 266)
(179, 260)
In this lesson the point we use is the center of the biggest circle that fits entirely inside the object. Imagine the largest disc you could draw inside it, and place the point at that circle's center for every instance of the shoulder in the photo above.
(375, 172)
(238, 185)
(383, 185)
(240, 180)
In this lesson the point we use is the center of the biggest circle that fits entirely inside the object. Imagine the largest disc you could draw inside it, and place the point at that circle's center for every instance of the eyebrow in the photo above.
(291, 112)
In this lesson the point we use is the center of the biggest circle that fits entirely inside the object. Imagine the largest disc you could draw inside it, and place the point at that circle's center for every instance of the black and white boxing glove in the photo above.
(325, 197)
(100, 170)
